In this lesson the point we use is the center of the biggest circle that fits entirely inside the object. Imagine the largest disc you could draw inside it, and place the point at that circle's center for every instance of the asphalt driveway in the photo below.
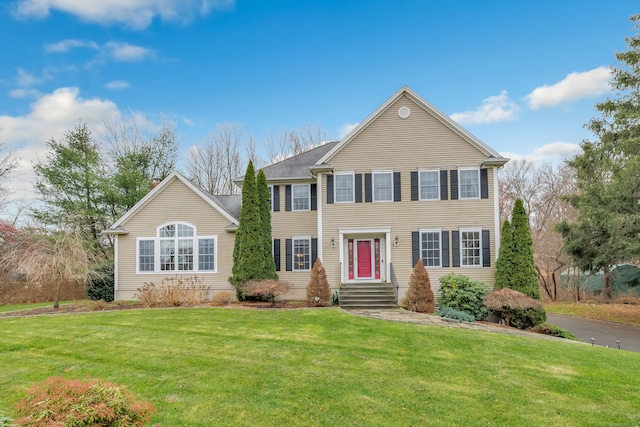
(605, 333)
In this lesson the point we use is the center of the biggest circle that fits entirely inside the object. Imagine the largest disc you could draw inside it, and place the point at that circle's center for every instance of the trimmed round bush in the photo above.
(463, 294)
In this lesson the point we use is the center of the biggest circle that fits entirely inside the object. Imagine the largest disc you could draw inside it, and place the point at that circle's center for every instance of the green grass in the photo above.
(4, 308)
(221, 366)
(613, 312)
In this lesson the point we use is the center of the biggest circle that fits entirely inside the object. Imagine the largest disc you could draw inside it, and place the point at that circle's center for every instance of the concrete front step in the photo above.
(368, 296)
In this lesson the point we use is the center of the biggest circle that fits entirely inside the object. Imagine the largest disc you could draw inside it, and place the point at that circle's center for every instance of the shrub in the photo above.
(462, 294)
(452, 313)
(101, 286)
(266, 289)
(92, 402)
(174, 292)
(554, 330)
(318, 290)
(335, 298)
(528, 318)
(223, 297)
(505, 302)
(419, 296)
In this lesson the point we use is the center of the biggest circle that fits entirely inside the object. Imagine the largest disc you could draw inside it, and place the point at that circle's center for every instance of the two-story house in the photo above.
(406, 183)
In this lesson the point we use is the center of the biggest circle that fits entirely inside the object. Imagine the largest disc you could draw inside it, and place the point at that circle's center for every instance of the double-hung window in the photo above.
(431, 247)
(176, 247)
(343, 186)
(471, 247)
(301, 197)
(469, 183)
(430, 185)
(383, 186)
(301, 254)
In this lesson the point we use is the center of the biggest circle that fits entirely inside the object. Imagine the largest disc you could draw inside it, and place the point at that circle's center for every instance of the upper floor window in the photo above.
(176, 248)
(301, 197)
(343, 185)
(382, 186)
(471, 247)
(429, 185)
(469, 183)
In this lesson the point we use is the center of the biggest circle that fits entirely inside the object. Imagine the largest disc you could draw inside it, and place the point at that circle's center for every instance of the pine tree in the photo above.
(419, 296)
(264, 203)
(318, 289)
(524, 276)
(504, 264)
(248, 254)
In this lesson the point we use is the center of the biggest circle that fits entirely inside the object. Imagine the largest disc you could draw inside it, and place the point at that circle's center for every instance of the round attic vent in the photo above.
(404, 112)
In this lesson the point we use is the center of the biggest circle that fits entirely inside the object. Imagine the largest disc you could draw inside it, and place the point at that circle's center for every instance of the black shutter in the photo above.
(314, 251)
(276, 253)
(454, 185)
(455, 247)
(445, 249)
(358, 187)
(276, 198)
(314, 198)
(287, 197)
(329, 189)
(444, 188)
(415, 247)
(397, 196)
(484, 184)
(414, 185)
(367, 188)
(289, 254)
(486, 251)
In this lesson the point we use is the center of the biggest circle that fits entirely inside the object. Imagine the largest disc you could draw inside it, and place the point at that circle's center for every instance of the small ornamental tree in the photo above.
(506, 302)
(318, 289)
(265, 289)
(264, 203)
(504, 264)
(419, 297)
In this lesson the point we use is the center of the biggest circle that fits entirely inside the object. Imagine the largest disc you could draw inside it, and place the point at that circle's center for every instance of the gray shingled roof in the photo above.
(231, 203)
(298, 165)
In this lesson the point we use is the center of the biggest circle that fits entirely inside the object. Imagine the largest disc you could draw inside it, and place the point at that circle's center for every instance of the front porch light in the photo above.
(395, 241)
(333, 242)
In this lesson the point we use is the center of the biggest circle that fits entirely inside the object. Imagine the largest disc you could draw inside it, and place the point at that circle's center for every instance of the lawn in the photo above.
(224, 366)
(15, 307)
(614, 312)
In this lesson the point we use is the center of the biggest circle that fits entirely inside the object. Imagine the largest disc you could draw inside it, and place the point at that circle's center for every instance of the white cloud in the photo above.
(125, 52)
(346, 128)
(27, 79)
(548, 153)
(136, 14)
(575, 86)
(117, 85)
(50, 117)
(24, 93)
(64, 46)
(493, 109)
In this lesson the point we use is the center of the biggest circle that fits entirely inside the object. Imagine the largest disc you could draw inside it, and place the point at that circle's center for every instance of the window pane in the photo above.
(168, 231)
(300, 196)
(185, 254)
(431, 249)
(382, 187)
(206, 250)
(146, 255)
(301, 254)
(429, 185)
(344, 188)
(185, 231)
(167, 255)
(470, 247)
(469, 184)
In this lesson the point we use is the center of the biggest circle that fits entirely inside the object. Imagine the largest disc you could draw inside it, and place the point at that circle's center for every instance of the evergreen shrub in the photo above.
(318, 289)
(452, 313)
(419, 296)
(101, 286)
(462, 294)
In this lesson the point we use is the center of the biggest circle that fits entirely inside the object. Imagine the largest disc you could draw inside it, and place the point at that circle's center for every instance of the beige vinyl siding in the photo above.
(406, 145)
(176, 203)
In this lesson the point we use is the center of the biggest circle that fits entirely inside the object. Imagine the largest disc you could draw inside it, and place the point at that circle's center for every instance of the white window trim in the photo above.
(460, 183)
(271, 197)
(293, 205)
(293, 259)
(471, 229)
(373, 186)
(437, 172)
(439, 232)
(196, 251)
(353, 187)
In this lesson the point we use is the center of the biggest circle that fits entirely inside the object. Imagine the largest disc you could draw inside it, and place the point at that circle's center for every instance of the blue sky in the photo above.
(521, 76)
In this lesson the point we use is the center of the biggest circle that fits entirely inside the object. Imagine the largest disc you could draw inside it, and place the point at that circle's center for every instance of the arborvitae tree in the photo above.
(419, 296)
(318, 289)
(248, 254)
(264, 202)
(504, 264)
(524, 276)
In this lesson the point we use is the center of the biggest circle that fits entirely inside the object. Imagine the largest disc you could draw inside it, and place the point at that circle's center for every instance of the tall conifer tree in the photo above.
(264, 202)
(524, 276)
(504, 264)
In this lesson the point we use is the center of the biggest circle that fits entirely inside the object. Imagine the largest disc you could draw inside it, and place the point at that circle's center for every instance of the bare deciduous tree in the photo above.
(289, 142)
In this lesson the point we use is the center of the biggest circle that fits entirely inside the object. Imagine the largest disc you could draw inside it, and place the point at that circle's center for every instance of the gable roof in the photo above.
(227, 206)
(493, 157)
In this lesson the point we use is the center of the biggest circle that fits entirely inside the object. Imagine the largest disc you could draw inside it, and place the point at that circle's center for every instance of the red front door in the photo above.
(363, 252)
